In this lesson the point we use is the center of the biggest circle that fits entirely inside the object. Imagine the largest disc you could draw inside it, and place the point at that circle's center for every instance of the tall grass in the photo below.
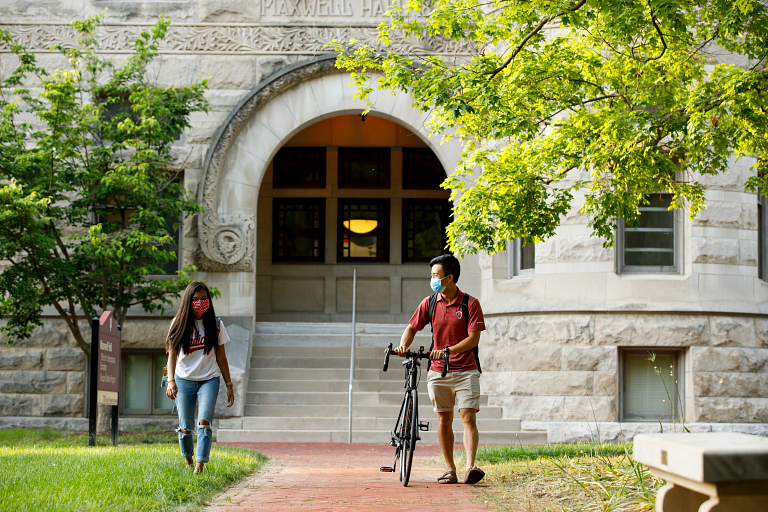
(46, 471)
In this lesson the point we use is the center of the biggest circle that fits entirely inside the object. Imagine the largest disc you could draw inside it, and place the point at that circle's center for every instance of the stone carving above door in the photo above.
(227, 241)
(215, 38)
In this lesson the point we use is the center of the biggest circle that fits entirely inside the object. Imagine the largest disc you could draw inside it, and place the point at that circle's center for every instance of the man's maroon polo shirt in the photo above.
(450, 328)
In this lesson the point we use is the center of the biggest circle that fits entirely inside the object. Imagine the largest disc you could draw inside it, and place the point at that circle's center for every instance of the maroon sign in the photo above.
(108, 383)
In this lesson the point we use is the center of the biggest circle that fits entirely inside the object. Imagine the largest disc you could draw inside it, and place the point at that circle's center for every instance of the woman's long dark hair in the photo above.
(179, 337)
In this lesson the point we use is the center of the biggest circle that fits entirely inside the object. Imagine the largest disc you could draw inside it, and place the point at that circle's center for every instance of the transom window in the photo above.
(653, 245)
(651, 389)
(299, 167)
(421, 169)
(424, 223)
(298, 229)
(364, 167)
(140, 393)
(363, 230)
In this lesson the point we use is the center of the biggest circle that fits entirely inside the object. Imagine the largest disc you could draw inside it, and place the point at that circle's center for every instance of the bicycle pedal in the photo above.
(386, 469)
(424, 426)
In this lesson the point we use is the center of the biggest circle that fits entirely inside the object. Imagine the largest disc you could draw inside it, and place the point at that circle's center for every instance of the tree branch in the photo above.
(530, 35)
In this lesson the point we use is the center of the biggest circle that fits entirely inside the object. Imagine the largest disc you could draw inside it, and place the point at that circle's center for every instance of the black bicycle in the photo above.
(407, 427)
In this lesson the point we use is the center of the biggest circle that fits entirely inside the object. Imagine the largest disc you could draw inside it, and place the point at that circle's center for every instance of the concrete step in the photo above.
(314, 351)
(365, 436)
(268, 386)
(323, 374)
(358, 411)
(315, 362)
(341, 423)
(334, 398)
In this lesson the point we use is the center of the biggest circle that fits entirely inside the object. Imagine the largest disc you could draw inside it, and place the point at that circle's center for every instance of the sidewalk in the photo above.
(332, 477)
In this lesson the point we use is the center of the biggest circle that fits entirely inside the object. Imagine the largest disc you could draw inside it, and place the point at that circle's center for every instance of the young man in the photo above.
(461, 386)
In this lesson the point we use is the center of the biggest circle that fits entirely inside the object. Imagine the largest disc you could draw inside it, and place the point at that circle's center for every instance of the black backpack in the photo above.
(464, 312)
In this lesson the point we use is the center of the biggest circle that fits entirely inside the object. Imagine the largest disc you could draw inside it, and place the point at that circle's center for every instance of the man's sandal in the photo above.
(473, 475)
(449, 477)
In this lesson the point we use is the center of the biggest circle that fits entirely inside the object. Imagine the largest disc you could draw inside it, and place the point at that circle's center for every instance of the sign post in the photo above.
(105, 372)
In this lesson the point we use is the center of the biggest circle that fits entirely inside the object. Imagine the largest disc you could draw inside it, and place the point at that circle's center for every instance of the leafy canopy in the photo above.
(87, 163)
(578, 103)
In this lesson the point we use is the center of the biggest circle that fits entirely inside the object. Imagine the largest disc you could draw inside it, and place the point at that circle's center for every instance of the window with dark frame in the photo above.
(140, 391)
(364, 167)
(762, 236)
(424, 223)
(299, 167)
(298, 229)
(421, 169)
(521, 258)
(363, 230)
(654, 244)
(651, 387)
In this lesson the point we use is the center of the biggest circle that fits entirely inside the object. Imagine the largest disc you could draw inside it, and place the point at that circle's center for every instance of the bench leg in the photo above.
(673, 498)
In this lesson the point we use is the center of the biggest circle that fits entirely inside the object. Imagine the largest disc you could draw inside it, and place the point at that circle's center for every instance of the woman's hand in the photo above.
(230, 396)
(171, 390)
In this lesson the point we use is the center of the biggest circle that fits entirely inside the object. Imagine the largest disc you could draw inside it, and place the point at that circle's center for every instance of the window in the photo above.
(299, 168)
(364, 167)
(172, 225)
(651, 389)
(424, 223)
(140, 391)
(298, 230)
(421, 169)
(762, 236)
(363, 230)
(521, 258)
(654, 245)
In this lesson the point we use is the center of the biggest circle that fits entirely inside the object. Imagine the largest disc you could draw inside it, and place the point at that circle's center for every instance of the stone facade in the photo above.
(552, 351)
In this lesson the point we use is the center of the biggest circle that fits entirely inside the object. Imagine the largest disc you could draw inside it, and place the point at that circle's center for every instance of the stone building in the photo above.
(298, 190)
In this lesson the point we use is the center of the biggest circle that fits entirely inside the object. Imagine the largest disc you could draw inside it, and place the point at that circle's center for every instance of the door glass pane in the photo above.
(364, 229)
(647, 394)
(424, 228)
(298, 230)
(161, 399)
(137, 381)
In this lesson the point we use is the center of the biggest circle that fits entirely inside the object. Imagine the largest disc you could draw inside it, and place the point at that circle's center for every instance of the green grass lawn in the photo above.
(50, 471)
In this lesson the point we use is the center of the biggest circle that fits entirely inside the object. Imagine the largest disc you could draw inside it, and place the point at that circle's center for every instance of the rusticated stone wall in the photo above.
(43, 375)
(566, 367)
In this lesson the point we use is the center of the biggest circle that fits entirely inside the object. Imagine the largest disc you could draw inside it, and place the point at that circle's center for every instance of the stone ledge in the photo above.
(613, 431)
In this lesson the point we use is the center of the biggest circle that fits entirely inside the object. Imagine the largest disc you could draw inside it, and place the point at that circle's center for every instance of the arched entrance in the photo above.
(236, 222)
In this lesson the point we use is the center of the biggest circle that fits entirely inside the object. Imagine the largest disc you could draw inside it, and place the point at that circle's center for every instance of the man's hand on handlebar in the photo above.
(436, 355)
(400, 350)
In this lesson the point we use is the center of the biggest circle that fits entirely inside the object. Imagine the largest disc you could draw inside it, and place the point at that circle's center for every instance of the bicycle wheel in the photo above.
(405, 431)
(411, 435)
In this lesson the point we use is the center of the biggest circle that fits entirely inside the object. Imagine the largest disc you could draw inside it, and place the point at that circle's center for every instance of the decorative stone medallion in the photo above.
(227, 242)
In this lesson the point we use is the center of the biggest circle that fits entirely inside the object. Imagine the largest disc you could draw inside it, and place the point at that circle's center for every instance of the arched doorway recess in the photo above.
(240, 156)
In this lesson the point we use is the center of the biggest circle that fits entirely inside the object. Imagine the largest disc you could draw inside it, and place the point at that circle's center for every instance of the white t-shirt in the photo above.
(197, 365)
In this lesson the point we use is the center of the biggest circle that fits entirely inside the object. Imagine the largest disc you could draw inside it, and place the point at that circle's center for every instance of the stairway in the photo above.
(298, 390)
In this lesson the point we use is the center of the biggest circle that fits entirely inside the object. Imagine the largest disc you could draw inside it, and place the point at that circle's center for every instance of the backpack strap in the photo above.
(430, 312)
(465, 312)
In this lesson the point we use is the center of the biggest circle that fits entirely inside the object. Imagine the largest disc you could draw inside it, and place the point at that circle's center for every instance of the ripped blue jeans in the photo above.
(189, 392)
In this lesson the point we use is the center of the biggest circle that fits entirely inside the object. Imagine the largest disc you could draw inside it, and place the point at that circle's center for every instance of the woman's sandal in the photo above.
(449, 477)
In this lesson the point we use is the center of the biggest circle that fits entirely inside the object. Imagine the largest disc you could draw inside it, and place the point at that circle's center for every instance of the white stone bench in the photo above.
(715, 472)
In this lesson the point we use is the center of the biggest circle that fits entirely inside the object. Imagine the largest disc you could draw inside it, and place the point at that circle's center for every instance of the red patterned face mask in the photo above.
(200, 306)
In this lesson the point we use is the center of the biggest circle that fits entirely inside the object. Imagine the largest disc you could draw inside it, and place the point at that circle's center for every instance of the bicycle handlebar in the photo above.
(417, 355)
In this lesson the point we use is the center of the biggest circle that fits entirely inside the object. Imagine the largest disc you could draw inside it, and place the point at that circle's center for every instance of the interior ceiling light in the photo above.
(360, 226)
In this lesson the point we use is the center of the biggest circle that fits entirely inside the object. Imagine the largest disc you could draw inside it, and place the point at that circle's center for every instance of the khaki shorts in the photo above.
(460, 389)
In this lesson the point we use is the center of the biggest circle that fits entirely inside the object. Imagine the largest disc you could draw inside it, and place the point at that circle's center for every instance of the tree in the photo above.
(578, 103)
(86, 163)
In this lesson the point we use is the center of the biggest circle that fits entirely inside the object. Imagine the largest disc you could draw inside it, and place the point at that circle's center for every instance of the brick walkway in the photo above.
(315, 476)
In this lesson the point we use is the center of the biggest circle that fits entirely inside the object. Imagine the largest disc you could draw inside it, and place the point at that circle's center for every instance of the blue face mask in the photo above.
(436, 284)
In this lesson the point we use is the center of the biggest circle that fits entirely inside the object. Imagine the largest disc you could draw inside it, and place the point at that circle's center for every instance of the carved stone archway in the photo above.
(276, 109)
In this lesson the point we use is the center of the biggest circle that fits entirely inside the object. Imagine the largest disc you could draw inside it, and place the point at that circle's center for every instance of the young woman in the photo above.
(196, 361)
